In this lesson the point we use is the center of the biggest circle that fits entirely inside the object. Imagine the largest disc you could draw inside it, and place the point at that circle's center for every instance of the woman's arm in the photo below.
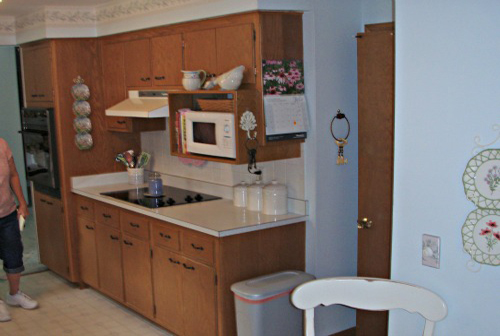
(15, 184)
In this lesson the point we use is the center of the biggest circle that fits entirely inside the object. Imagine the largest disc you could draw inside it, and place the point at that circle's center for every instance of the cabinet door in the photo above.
(198, 298)
(113, 73)
(29, 75)
(200, 51)
(167, 60)
(235, 46)
(137, 275)
(137, 56)
(44, 74)
(109, 260)
(88, 252)
(51, 233)
(167, 279)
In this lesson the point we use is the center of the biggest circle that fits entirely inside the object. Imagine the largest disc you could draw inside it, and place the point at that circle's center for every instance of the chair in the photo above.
(368, 294)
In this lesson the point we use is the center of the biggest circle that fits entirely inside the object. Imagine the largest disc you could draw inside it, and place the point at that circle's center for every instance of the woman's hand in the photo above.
(23, 211)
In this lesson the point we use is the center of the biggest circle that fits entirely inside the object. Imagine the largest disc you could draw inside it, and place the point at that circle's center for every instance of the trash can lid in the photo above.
(269, 285)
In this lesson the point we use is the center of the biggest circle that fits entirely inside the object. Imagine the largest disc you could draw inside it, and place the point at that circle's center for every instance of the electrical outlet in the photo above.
(431, 250)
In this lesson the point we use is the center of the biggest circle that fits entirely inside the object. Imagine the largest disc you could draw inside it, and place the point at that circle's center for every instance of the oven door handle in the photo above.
(33, 131)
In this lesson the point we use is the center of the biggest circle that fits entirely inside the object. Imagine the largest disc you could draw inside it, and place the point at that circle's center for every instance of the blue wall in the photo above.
(9, 109)
(447, 93)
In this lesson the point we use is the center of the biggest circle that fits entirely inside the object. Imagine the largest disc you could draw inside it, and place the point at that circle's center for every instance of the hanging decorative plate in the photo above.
(84, 141)
(482, 179)
(481, 236)
(81, 108)
(80, 91)
(82, 125)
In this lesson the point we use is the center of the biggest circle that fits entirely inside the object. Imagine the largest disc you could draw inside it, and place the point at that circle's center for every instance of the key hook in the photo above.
(340, 115)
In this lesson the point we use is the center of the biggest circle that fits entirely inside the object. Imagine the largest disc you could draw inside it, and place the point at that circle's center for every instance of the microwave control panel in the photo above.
(228, 136)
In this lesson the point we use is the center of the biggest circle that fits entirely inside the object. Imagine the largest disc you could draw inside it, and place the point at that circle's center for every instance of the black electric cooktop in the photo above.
(171, 196)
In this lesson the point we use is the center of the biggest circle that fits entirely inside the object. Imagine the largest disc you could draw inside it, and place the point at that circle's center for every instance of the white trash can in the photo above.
(263, 306)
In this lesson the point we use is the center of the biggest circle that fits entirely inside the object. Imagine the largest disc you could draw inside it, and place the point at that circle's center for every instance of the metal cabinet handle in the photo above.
(159, 77)
(34, 95)
(166, 236)
(134, 225)
(191, 268)
(199, 248)
(84, 208)
(42, 95)
(89, 227)
(121, 122)
(106, 215)
(128, 243)
(114, 237)
(49, 203)
(174, 261)
(145, 79)
(42, 200)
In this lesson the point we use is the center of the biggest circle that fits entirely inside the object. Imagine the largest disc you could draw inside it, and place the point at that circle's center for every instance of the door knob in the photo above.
(364, 223)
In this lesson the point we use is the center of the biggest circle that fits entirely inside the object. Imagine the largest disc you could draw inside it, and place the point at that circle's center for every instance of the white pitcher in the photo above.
(193, 80)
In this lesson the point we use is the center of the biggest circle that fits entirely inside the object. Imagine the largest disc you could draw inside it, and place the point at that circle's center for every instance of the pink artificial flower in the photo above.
(484, 232)
(299, 86)
(281, 77)
(497, 235)
(293, 64)
(492, 224)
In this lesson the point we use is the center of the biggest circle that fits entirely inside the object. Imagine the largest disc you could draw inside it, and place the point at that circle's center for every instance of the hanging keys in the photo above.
(341, 160)
(252, 160)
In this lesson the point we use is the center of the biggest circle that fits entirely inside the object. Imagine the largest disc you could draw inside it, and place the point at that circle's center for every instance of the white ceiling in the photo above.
(21, 7)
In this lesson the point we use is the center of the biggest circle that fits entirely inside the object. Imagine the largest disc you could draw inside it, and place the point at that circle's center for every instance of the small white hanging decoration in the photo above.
(248, 123)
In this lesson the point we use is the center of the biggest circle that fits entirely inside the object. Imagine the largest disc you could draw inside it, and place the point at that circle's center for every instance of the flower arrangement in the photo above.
(283, 77)
(493, 178)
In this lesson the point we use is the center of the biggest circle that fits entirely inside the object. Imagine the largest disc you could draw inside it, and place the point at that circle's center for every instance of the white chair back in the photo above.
(368, 294)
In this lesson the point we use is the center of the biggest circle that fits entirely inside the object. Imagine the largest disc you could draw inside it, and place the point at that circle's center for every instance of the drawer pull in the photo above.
(191, 268)
(145, 79)
(128, 243)
(159, 77)
(166, 236)
(174, 261)
(134, 225)
(49, 203)
(84, 208)
(121, 122)
(106, 215)
(114, 237)
(43, 200)
(89, 227)
(199, 248)
(34, 95)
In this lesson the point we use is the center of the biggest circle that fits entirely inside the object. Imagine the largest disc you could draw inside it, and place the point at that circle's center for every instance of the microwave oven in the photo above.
(210, 133)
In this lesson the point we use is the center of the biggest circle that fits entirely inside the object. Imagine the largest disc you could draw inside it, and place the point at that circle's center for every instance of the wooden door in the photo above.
(109, 260)
(200, 51)
(137, 275)
(87, 252)
(167, 279)
(236, 46)
(376, 138)
(166, 52)
(198, 298)
(137, 56)
(51, 233)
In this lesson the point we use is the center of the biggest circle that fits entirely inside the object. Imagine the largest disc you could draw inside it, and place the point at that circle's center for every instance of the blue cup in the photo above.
(155, 184)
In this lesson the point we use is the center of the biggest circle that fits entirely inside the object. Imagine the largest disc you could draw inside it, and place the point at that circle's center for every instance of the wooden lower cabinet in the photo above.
(109, 257)
(51, 233)
(88, 252)
(137, 275)
(174, 276)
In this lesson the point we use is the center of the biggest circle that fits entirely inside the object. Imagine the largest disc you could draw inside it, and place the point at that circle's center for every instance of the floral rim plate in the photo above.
(482, 179)
(481, 236)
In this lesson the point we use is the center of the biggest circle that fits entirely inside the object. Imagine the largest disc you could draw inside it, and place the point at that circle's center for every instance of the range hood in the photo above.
(141, 104)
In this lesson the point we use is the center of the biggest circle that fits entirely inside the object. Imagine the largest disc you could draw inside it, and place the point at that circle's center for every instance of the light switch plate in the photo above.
(431, 250)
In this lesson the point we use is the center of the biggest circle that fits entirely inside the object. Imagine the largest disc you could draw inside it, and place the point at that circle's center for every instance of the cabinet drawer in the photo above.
(166, 236)
(198, 247)
(133, 224)
(120, 124)
(85, 208)
(107, 214)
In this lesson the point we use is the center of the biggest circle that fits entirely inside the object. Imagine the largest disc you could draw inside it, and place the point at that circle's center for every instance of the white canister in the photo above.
(275, 199)
(135, 175)
(240, 194)
(254, 202)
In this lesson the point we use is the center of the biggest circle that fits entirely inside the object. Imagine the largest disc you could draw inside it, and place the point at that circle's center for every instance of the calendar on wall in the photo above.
(286, 117)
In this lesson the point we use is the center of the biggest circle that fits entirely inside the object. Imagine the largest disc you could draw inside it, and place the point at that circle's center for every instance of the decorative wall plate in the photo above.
(482, 179)
(481, 236)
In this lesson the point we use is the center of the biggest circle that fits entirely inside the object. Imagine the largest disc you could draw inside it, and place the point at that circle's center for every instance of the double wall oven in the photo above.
(40, 149)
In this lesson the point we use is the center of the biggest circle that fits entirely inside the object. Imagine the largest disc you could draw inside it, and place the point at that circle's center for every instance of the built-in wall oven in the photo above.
(40, 149)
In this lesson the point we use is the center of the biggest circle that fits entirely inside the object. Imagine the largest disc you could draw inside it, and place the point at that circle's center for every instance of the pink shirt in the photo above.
(7, 202)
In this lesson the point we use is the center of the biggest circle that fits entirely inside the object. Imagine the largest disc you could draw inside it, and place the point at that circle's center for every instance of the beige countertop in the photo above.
(218, 218)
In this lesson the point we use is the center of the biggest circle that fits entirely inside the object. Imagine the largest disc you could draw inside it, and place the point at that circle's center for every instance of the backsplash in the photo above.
(289, 172)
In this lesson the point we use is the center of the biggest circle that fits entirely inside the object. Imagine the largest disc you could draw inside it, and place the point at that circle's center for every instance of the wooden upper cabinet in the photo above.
(166, 61)
(113, 73)
(236, 46)
(37, 74)
(200, 51)
(137, 56)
